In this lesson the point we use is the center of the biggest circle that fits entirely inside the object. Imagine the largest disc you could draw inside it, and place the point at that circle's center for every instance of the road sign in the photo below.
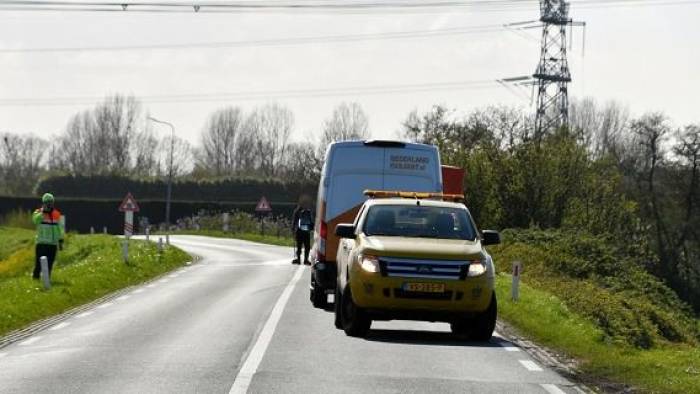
(263, 205)
(129, 204)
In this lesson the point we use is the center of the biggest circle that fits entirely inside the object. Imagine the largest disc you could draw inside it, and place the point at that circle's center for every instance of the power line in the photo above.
(266, 95)
(325, 6)
(275, 41)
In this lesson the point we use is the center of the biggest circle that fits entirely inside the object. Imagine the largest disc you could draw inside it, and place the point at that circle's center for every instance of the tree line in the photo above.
(633, 181)
(116, 137)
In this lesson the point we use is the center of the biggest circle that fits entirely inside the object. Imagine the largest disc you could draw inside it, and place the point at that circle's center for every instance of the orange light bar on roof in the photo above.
(413, 195)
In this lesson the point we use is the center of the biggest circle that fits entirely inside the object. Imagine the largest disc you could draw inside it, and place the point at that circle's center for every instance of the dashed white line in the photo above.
(530, 365)
(152, 285)
(84, 314)
(552, 389)
(3, 355)
(122, 298)
(172, 276)
(511, 348)
(105, 305)
(250, 366)
(163, 281)
(59, 326)
(137, 291)
(29, 341)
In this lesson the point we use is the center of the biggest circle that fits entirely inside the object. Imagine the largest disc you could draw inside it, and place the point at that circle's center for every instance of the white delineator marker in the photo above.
(515, 288)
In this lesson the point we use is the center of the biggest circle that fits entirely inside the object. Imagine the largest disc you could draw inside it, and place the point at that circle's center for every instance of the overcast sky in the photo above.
(646, 57)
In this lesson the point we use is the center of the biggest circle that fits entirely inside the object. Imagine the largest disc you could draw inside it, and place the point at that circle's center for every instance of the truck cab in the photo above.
(415, 256)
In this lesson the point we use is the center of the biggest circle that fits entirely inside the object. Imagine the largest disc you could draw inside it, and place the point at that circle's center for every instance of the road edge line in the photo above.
(257, 352)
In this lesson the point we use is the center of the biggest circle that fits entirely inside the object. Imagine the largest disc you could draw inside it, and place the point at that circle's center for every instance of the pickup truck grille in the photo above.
(428, 269)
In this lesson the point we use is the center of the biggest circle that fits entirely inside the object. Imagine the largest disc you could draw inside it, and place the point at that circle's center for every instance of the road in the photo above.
(240, 320)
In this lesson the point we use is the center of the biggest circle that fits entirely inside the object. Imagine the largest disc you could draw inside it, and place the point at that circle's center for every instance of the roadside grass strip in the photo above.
(89, 268)
(544, 318)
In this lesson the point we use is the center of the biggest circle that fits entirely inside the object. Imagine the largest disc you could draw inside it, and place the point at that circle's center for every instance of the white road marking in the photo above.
(137, 291)
(530, 365)
(29, 341)
(552, 389)
(59, 326)
(511, 348)
(172, 276)
(250, 366)
(152, 285)
(163, 281)
(106, 305)
(84, 314)
(122, 298)
(3, 355)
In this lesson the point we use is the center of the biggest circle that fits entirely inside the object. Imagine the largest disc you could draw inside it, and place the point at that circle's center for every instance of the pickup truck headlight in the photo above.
(369, 263)
(476, 268)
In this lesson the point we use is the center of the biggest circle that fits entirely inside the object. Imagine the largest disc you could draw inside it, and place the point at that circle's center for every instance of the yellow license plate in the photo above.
(424, 287)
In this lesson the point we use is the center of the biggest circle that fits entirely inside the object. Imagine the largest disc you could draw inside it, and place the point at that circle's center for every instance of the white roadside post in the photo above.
(104, 230)
(160, 245)
(515, 288)
(226, 221)
(92, 230)
(148, 233)
(45, 276)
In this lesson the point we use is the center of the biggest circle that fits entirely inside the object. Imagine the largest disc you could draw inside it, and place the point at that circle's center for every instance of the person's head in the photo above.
(305, 201)
(48, 200)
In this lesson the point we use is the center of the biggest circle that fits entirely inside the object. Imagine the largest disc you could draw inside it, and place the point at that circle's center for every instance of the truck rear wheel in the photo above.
(317, 295)
(354, 320)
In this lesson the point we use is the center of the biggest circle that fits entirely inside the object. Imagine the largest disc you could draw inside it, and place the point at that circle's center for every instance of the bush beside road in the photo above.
(90, 267)
(588, 299)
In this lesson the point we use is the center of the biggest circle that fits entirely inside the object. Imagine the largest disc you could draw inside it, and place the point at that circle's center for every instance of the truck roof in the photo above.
(414, 202)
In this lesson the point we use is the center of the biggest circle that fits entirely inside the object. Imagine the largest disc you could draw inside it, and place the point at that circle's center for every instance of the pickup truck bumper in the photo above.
(388, 295)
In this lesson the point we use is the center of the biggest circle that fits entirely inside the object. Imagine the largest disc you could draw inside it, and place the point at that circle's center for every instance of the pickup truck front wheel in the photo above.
(479, 327)
(354, 319)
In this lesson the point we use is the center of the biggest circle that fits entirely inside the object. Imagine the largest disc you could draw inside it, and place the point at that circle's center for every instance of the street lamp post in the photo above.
(170, 175)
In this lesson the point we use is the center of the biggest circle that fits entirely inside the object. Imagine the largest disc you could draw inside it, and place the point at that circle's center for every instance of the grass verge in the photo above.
(88, 268)
(543, 317)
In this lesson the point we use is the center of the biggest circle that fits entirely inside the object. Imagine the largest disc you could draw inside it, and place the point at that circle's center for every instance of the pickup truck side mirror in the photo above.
(345, 230)
(490, 237)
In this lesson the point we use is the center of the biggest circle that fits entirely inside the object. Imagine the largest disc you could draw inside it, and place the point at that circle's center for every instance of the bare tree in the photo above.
(348, 122)
(182, 156)
(270, 128)
(219, 153)
(600, 129)
(146, 161)
(21, 162)
(301, 162)
(101, 140)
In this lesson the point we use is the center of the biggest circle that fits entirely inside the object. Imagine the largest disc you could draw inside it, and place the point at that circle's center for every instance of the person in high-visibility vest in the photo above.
(49, 233)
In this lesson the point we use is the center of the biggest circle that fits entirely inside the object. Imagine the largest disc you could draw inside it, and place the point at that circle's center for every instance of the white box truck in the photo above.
(349, 169)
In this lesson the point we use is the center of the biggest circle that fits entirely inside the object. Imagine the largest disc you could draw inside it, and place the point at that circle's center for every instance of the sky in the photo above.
(646, 57)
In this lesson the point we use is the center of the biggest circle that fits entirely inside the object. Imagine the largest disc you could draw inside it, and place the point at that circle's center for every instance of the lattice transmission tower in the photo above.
(552, 76)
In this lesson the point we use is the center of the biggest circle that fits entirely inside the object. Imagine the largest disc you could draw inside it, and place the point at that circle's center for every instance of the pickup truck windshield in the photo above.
(419, 221)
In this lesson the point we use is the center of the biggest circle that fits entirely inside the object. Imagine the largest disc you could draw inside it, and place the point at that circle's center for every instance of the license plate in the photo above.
(424, 287)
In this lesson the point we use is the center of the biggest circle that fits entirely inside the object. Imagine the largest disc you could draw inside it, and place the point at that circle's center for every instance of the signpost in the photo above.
(263, 208)
(128, 206)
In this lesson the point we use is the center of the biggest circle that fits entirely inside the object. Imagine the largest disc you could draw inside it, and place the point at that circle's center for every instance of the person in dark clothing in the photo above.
(302, 226)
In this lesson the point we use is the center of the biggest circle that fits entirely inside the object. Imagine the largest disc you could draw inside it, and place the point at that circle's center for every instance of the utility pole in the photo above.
(170, 174)
(552, 76)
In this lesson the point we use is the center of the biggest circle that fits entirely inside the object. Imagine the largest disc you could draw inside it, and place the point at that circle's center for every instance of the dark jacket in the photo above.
(296, 217)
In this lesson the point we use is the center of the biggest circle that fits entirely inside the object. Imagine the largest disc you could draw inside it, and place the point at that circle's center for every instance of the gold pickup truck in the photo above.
(415, 256)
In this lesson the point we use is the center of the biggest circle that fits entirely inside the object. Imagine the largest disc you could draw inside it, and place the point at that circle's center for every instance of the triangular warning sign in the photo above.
(129, 204)
(263, 205)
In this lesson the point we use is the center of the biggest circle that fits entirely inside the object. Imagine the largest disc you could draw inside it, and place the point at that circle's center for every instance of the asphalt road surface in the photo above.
(240, 320)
